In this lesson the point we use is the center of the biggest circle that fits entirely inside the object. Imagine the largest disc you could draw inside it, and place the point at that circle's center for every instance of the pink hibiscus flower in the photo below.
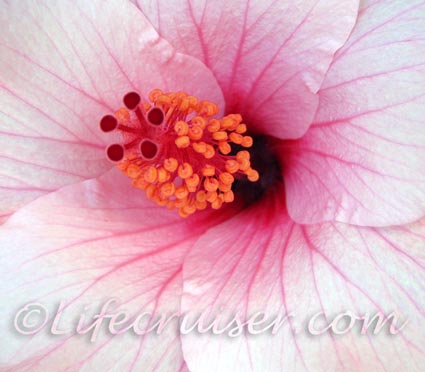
(337, 95)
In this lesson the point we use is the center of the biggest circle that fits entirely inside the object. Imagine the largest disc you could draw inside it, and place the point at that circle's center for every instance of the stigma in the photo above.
(175, 149)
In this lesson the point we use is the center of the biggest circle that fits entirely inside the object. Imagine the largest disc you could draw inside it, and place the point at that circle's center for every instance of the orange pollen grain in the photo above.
(193, 165)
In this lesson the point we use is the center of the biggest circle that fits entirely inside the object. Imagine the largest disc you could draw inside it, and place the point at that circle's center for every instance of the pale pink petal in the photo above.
(63, 66)
(83, 245)
(269, 57)
(363, 159)
(248, 266)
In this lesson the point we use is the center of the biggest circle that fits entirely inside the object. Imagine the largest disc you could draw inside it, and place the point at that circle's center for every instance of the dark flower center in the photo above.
(264, 160)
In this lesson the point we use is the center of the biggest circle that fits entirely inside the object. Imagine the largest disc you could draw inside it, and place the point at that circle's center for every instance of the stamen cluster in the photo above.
(177, 152)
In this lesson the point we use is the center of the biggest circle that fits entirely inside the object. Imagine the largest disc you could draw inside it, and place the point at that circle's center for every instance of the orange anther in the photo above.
(185, 170)
(244, 165)
(181, 128)
(182, 142)
(151, 191)
(189, 208)
(242, 155)
(180, 203)
(192, 182)
(213, 125)
(211, 196)
(241, 128)
(163, 100)
(217, 203)
(211, 184)
(201, 205)
(151, 175)
(236, 138)
(163, 175)
(181, 192)
(199, 121)
(193, 101)
(154, 94)
(199, 147)
(174, 99)
(180, 95)
(227, 122)
(140, 183)
(167, 189)
(210, 152)
(171, 164)
(224, 148)
(232, 166)
(208, 108)
(208, 170)
(201, 196)
(247, 141)
(196, 132)
(122, 115)
(220, 135)
(226, 178)
(253, 175)
(184, 105)
(237, 118)
(224, 187)
(133, 171)
(182, 213)
(229, 196)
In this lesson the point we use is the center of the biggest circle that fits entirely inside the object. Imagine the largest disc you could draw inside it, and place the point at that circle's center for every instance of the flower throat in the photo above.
(177, 152)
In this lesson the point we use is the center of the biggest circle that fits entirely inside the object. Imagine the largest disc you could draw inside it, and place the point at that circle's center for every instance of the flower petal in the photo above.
(247, 266)
(64, 66)
(363, 159)
(270, 57)
(84, 245)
